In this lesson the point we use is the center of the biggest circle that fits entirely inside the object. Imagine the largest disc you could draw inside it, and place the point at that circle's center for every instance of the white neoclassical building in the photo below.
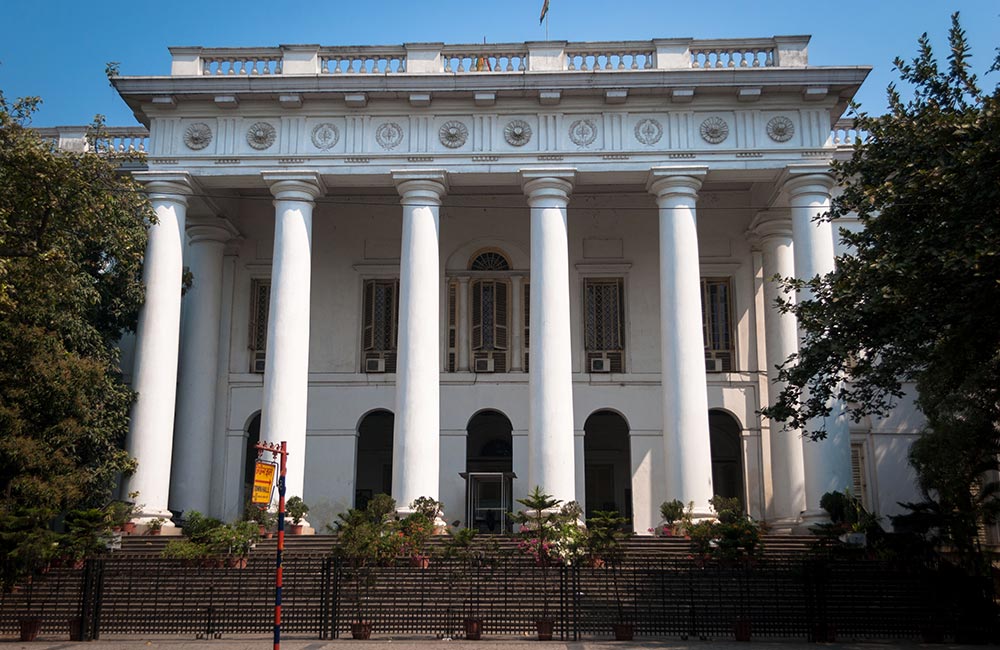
(461, 271)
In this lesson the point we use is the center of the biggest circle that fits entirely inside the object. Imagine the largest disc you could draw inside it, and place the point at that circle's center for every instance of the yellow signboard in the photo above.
(263, 480)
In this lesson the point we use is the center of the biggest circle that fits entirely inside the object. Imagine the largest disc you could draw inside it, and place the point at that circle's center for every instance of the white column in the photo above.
(154, 374)
(462, 340)
(550, 380)
(827, 462)
(417, 427)
(773, 230)
(516, 327)
(286, 372)
(191, 469)
(687, 448)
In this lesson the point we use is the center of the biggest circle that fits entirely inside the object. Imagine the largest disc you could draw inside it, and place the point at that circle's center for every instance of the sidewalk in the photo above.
(265, 643)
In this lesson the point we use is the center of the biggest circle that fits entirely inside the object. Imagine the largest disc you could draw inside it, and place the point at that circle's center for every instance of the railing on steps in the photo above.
(809, 598)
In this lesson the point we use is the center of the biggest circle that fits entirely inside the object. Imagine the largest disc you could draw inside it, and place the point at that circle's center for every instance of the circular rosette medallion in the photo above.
(453, 134)
(583, 132)
(261, 135)
(780, 129)
(197, 136)
(389, 135)
(517, 133)
(714, 130)
(648, 131)
(325, 136)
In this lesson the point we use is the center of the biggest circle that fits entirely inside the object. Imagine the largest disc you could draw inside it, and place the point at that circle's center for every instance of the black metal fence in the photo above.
(668, 598)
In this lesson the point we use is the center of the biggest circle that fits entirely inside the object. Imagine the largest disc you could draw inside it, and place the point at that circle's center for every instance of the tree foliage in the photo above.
(918, 298)
(72, 237)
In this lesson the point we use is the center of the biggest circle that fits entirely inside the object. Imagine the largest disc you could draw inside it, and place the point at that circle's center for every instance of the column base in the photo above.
(811, 518)
(784, 525)
(306, 527)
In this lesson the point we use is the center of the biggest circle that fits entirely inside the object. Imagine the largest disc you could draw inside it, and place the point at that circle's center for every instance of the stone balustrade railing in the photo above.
(114, 140)
(517, 58)
(844, 134)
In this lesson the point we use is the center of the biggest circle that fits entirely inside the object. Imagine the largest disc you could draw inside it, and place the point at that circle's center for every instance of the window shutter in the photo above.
(859, 486)
(526, 325)
(477, 315)
(500, 340)
(368, 336)
(260, 303)
(452, 326)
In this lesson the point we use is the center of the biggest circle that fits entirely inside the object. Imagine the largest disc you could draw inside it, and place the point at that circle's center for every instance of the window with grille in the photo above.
(717, 324)
(859, 483)
(604, 319)
(260, 303)
(381, 310)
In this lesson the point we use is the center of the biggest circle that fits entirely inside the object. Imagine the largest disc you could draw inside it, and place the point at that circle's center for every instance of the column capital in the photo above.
(210, 229)
(808, 179)
(171, 186)
(294, 184)
(770, 224)
(548, 183)
(420, 186)
(665, 182)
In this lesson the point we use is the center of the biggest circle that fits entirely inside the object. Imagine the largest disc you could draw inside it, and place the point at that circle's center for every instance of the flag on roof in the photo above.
(545, 10)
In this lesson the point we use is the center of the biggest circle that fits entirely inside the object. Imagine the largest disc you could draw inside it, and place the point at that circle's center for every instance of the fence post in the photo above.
(90, 603)
(324, 595)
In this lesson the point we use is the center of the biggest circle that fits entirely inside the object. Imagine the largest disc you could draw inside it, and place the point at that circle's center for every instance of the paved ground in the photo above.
(264, 643)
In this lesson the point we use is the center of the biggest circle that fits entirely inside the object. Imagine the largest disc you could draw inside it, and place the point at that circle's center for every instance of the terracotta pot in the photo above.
(420, 561)
(545, 627)
(361, 630)
(741, 629)
(76, 628)
(154, 531)
(473, 629)
(595, 562)
(128, 527)
(295, 529)
(236, 562)
(623, 631)
(79, 564)
(30, 627)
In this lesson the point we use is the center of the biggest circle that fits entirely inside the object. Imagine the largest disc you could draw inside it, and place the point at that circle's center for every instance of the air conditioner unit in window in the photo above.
(258, 365)
(713, 365)
(600, 365)
(374, 365)
(484, 365)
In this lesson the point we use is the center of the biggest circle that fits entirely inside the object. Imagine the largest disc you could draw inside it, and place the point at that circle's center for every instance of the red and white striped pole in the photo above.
(281, 451)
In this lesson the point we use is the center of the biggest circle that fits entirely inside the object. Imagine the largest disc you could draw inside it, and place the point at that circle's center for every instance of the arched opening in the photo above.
(607, 462)
(727, 455)
(489, 443)
(489, 462)
(250, 455)
(373, 466)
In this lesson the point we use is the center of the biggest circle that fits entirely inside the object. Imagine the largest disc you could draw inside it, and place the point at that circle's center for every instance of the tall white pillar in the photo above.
(687, 446)
(773, 231)
(550, 380)
(191, 469)
(827, 462)
(417, 428)
(154, 374)
(286, 371)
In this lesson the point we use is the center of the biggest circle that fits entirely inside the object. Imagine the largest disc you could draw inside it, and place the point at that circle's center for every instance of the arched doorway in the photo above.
(727, 455)
(489, 463)
(607, 462)
(373, 466)
(250, 456)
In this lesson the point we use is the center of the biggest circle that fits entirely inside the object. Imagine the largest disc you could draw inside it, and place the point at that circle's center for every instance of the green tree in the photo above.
(918, 298)
(72, 237)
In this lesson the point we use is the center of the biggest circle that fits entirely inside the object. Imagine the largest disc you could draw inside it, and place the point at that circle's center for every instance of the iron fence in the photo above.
(662, 598)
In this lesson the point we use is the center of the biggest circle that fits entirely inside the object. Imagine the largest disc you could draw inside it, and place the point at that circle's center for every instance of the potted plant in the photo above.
(539, 522)
(263, 517)
(296, 510)
(472, 556)
(27, 547)
(234, 541)
(367, 539)
(416, 529)
(605, 534)
(672, 513)
(87, 534)
(121, 513)
(155, 525)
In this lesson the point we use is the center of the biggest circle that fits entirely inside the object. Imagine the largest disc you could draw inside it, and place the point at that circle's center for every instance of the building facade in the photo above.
(463, 271)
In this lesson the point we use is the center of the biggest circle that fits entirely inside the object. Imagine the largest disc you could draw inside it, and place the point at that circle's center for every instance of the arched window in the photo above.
(727, 455)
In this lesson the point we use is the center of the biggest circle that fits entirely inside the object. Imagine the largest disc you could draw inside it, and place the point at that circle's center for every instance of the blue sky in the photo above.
(57, 49)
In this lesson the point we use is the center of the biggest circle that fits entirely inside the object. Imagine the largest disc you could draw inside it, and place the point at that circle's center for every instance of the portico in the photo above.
(532, 238)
